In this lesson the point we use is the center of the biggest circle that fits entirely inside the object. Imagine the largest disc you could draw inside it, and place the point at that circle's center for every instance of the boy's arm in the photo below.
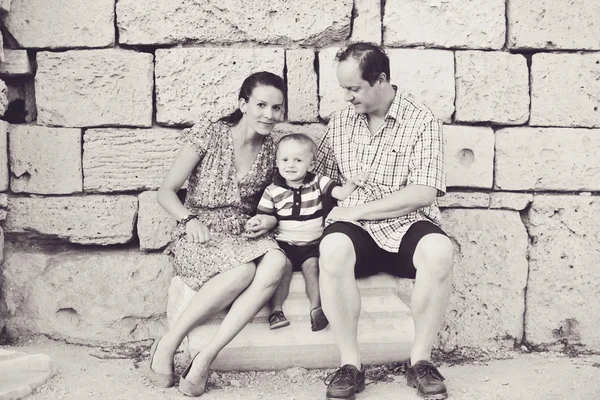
(342, 192)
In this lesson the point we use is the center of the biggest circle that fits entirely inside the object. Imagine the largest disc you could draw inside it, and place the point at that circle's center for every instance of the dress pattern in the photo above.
(223, 202)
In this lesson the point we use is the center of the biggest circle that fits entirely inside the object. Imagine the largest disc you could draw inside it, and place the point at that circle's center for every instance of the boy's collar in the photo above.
(280, 181)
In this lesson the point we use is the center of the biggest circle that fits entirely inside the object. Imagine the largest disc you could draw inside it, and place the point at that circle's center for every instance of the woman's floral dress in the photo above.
(223, 203)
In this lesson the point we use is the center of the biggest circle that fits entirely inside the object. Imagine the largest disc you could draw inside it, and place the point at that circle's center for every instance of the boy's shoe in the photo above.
(318, 320)
(427, 379)
(345, 382)
(277, 320)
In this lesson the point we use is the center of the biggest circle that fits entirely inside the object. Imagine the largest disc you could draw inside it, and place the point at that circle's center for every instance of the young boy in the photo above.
(296, 199)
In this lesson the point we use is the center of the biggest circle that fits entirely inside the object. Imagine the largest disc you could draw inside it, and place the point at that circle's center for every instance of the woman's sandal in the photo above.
(160, 380)
(188, 387)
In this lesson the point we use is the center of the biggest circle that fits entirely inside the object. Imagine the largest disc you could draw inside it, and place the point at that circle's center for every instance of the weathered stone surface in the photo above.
(565, 90)
(45, 160)
(3, 200)
(303, 102)
(426, 75)
(62, 24)
(464, 200)
(490, 275)
(3, 156)
(81, 88)
(510, 201)
(491, 86)
(226, 21)
(15, 63)
(128, 159)
(315, 131)
(564, 271)
(91, 219)
(366, 26)
(475, 24)
(547, 159)
(154, 224)
(3, 98)
(185, 92)
(469, 156)
(21, 101)
(86, 296)
(5, 5)
(551, 24)
(21, 373)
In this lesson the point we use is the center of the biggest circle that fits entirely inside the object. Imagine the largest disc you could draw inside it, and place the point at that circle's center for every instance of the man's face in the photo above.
(360, 93)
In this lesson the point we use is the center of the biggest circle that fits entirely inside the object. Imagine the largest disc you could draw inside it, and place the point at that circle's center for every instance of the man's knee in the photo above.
(336, 254)
(434, 252)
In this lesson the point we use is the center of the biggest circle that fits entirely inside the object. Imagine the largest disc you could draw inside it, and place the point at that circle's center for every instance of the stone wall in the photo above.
(99, 91)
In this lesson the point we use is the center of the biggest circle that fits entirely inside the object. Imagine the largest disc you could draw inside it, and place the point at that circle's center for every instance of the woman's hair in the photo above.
(372, 60)
(262, 78)
(302, 139)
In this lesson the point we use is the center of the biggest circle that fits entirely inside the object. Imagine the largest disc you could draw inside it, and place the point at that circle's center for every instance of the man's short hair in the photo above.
(302, 139)
(372, 60)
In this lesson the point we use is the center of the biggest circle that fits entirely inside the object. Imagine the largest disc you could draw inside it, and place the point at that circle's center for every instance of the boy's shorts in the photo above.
(298, 254)
(371, 259)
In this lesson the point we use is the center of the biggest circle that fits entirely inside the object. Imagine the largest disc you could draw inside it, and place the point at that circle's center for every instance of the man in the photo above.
(389, 224)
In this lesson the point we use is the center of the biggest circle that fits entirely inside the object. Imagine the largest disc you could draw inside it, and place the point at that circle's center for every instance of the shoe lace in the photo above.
(337, 375)
(428, 369)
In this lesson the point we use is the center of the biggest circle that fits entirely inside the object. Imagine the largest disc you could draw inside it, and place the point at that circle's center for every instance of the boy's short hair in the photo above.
(302, 139)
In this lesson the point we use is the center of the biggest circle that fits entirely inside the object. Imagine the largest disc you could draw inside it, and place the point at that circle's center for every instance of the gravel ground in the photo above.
(117, 373)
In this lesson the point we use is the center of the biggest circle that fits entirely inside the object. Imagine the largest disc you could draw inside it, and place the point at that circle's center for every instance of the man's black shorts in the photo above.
(371, 259)
(298, 254)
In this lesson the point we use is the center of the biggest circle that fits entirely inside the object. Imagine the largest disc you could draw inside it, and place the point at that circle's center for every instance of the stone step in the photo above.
(381, 340)
(385, 329)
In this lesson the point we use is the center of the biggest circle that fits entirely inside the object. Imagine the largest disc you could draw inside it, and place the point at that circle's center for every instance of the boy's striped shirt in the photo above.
(299, 211)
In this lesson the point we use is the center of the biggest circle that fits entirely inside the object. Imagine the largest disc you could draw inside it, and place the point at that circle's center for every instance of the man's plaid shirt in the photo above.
(408, 149)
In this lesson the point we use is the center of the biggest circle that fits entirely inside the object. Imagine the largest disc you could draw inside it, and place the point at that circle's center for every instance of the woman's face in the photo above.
(263, 109)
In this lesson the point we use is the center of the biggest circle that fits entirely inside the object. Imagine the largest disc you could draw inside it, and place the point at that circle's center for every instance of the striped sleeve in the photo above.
(266, 205)
(326, 185)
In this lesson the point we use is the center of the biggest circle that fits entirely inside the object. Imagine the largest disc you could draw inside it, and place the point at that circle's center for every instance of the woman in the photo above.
(228, 163)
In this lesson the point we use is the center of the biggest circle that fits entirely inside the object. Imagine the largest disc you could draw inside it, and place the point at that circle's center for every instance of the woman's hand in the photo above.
(197, 232)
(259, 225)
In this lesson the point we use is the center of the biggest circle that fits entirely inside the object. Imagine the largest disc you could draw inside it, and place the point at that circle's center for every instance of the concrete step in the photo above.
(385, 330)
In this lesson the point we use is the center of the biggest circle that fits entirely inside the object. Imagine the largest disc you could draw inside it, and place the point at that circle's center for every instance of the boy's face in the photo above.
(294, 160)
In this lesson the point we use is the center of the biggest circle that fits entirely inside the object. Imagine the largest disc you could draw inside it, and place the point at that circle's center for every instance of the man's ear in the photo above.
(382, 78)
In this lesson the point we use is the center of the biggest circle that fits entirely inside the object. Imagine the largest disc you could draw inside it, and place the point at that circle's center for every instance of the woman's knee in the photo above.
(337, 254)
(244, 274)
(434, 252)
(272, 265)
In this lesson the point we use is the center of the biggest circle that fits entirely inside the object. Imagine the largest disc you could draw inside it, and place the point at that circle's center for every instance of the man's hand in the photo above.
(342, 214)
(259, 225)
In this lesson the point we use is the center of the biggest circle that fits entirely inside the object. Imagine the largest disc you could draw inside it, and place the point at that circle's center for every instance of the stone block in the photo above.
(93, 219)
(491, 87)
(15, 63)
(366, 25)
(510, 201)
(84, 88)
(490, 276)
(473, 24)
(3, 98)
(315, 131)
(464, 200)
(469, 156)
(4, 180)
(154, 225)
(547, 159)
(5, 5)
(302, 102)
(565, 90)
(86, 296)
(552, 24)
(21, 374)
(61, 23)
(564, 271)
(185, 93)
(155, 22)
(128, 159)
(426, 75)
(3, 200)
(45, 160)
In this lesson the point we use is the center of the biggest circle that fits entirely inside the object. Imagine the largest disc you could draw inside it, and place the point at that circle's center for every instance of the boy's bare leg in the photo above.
(310, 270)
(282, 291)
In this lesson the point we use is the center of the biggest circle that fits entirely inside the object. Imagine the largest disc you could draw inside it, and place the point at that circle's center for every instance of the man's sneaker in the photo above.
(318, 320)
(277, 320)
(427, 379)
(345, 382)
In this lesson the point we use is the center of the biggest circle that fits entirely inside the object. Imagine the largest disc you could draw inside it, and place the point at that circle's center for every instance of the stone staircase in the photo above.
(385, 329)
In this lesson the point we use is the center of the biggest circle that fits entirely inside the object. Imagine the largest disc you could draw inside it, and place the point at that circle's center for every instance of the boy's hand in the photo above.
(259, 225)
(360, 178)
